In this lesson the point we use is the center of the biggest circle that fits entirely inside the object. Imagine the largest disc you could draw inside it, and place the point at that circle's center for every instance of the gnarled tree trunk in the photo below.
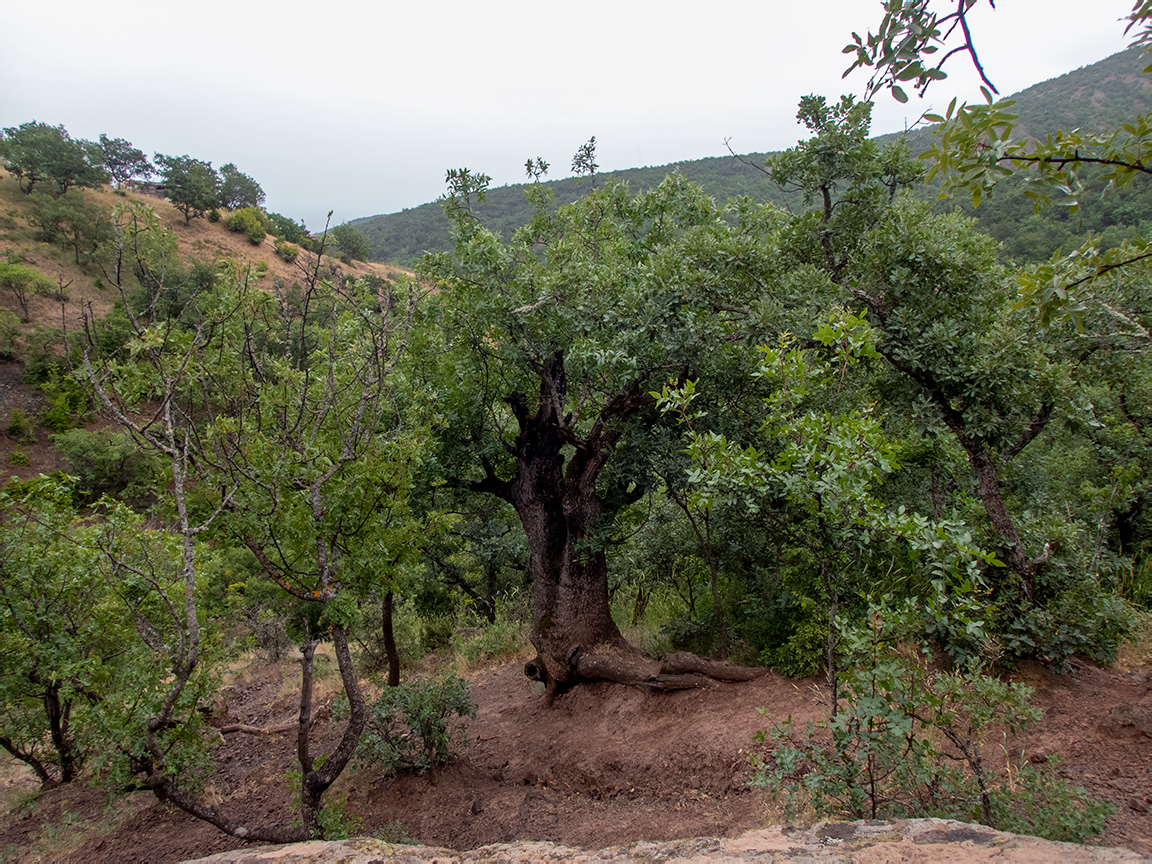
(566, 519)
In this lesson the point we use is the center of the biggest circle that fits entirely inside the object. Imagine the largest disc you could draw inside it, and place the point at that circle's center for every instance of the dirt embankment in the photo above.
(606, 766)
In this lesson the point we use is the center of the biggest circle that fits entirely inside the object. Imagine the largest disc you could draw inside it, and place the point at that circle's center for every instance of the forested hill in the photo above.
(1098, 96)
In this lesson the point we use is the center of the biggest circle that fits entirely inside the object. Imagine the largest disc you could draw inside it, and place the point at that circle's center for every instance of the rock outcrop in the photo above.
(913, 841)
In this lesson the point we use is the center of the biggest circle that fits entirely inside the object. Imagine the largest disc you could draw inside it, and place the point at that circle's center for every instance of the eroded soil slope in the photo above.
(606, 765)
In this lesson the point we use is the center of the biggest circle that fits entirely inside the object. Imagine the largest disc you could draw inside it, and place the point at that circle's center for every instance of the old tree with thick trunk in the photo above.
(556, 339)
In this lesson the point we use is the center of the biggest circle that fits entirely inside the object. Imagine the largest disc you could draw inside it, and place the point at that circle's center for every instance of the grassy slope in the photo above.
(200, 240)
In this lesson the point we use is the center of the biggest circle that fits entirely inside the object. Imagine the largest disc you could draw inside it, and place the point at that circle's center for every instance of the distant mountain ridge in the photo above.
(1099, 96)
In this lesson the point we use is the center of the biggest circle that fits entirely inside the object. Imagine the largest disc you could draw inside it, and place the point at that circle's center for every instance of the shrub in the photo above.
(18, 457)
(20, 428)
(23, 283)
(213, 215)
(107, 463)
(249, 221)
(287, 251)
(907, 743)
(286, 229)
(411, 726)
(9, 333)
(1084, 620)
(492, 640)
(68, 401)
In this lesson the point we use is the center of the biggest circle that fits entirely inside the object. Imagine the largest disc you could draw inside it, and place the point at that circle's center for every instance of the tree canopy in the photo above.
(36, 151)
(191, 184)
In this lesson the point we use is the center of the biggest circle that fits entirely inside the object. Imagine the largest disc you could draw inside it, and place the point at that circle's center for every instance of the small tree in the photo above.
(122, 161)
(191, 184)
(25, 283)
(37, 151)
(353, 243)
(237, 189)
(81, 224)
(61, 635)
(268, 407)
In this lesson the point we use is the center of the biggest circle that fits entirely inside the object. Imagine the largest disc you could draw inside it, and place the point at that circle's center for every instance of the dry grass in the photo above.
(200, 239)
(61, 838)
(1135, 655)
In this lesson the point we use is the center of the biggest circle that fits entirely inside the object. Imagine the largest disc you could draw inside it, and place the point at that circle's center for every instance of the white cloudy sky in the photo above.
(359, 107)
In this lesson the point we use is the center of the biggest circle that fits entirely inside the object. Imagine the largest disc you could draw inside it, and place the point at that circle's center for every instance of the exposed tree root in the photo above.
(681, 662)
(677, 671)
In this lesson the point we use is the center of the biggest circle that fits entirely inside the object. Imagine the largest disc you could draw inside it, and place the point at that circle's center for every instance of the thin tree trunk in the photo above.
(47, 781)
(304, 724)
(830, 642)
(390, 641)
(315, 783)
(705, 539)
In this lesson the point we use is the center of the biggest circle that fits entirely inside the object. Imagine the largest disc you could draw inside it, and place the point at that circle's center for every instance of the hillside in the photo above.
(1093, 97)
(87, 290)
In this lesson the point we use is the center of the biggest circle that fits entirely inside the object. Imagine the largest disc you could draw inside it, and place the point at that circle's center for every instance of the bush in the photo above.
(907, 743)
(411, 726)
(492, 640)
(9, 333)
(286, 229)
(68, 401)
(56, 417)
(18, 457)
(107, 463)
(213, 215)
(249, 221)
(406, 630)
(1084, 620)
(20, 428)
(287, 251)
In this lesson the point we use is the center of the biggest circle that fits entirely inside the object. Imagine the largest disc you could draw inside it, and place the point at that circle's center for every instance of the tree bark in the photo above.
(567, 519)
(564, 519)
(47, 781)
(390, 641)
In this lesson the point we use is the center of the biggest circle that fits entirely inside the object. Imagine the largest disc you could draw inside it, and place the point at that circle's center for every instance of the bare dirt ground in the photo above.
(605, 765)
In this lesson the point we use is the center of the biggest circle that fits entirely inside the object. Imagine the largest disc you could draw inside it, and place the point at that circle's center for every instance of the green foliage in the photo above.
(477, 640)
(24, 283)
(393, 831)
(1102, 95)
(353, 244)
(334, 822)
(286, 229)
(36, 151)
(20, 428)
(61, 634)
(249, 221)
(68, 401)
(238, 190)
(18, 457)
(72, 220)
(108, 463)
(286, 251)
(1083, 620)
(122, 161)
(1036, 800)
(908, 742)
(415, 725)
(975, 149)
(214, 215)
(190, 184)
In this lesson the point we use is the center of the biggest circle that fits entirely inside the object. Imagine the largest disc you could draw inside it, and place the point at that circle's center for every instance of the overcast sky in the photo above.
(360, 107)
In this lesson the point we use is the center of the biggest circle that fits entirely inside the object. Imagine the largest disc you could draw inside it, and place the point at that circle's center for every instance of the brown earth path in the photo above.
(606, 765)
